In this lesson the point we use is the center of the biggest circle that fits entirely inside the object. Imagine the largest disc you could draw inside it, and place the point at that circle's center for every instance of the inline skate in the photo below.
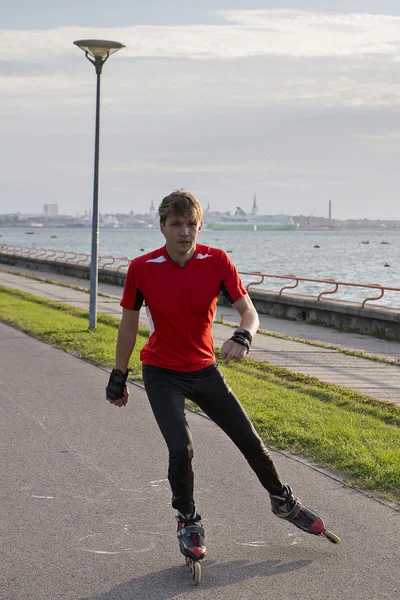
(190, 534)
(285, 506)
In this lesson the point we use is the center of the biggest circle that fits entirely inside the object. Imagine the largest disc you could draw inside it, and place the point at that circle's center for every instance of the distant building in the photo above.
(50, 210)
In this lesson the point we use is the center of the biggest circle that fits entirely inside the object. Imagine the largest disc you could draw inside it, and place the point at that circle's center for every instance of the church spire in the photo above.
(254, 210)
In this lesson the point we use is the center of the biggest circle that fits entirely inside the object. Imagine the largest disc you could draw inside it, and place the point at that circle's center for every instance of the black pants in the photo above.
(207, 387)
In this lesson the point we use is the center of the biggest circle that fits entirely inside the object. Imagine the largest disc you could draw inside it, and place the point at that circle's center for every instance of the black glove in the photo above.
(116, 384)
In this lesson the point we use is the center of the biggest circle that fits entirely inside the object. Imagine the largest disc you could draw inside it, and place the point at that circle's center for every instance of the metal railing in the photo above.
(114, 263)
(121, 263)
(297, 280)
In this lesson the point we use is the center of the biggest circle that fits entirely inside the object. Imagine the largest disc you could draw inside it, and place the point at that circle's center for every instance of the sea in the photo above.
(362, 257)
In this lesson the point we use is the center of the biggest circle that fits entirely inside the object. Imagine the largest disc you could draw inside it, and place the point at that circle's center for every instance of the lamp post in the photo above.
(99, 50)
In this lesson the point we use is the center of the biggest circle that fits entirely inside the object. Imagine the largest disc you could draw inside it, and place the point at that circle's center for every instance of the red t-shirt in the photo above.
(181, 304)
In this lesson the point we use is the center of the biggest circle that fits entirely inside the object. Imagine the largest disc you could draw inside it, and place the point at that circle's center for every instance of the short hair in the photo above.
(180, 203)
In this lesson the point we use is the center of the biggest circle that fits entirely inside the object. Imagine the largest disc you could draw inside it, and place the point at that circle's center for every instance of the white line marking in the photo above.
(45, 497)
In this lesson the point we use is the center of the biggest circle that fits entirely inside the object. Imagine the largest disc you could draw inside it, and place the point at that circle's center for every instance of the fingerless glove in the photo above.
(116, 384)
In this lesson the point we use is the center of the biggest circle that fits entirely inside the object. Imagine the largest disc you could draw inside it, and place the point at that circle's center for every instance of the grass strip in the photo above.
(54, 282)
(66, 327)
(281, 336)
(351, 434)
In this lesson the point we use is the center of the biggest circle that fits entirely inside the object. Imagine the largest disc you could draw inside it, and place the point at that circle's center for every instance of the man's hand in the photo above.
(117, 392)
(233, 351)
(122, 401)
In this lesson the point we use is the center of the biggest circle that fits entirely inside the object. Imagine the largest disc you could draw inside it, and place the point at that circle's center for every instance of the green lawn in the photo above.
(352, 435)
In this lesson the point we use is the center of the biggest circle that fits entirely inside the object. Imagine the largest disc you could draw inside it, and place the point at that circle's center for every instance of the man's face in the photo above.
(180, 233)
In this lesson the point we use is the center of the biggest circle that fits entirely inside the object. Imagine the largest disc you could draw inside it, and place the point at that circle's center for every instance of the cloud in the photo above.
(202, 106)
(388, 136)
(305, 184)
(149, 166)
(292, 180)
(309, 34)
(254, 33)
(255, 58)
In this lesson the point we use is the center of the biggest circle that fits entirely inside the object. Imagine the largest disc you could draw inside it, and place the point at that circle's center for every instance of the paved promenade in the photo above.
(380, 380)
(85, 505)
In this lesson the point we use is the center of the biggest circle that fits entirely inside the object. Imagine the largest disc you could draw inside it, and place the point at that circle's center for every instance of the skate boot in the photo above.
(191, 542)
(287, 507)
(190, 534)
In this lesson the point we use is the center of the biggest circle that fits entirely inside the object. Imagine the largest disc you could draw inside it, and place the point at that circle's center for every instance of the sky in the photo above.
(296, 101)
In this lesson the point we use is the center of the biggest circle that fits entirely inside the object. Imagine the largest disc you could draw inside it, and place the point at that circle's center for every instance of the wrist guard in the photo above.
(116, 384)
(243, 337)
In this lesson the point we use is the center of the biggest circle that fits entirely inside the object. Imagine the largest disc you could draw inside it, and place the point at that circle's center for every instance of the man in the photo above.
(180, 284)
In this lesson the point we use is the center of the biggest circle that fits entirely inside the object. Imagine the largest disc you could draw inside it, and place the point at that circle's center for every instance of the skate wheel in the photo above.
(331, 536)
(196, 572)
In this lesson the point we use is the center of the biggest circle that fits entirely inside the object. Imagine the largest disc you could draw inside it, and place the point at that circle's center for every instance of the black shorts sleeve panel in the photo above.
(231, 285)
(139, 299)
(225, 293)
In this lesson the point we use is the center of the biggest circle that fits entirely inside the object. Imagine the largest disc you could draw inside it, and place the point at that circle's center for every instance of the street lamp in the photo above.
(99, 50)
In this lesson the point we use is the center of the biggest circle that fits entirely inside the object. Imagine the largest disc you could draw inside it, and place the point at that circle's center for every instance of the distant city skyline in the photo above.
(297, 100)
(147, 210)
(51, 217)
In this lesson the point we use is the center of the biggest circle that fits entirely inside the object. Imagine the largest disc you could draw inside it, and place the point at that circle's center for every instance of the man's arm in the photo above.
(127, 332)
(249, 321)
(248, 315)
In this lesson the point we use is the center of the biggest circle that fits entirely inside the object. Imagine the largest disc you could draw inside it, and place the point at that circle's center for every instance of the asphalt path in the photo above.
(86, 506)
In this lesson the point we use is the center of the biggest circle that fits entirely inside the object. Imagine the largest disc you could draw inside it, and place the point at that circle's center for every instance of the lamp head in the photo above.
(99, 48)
